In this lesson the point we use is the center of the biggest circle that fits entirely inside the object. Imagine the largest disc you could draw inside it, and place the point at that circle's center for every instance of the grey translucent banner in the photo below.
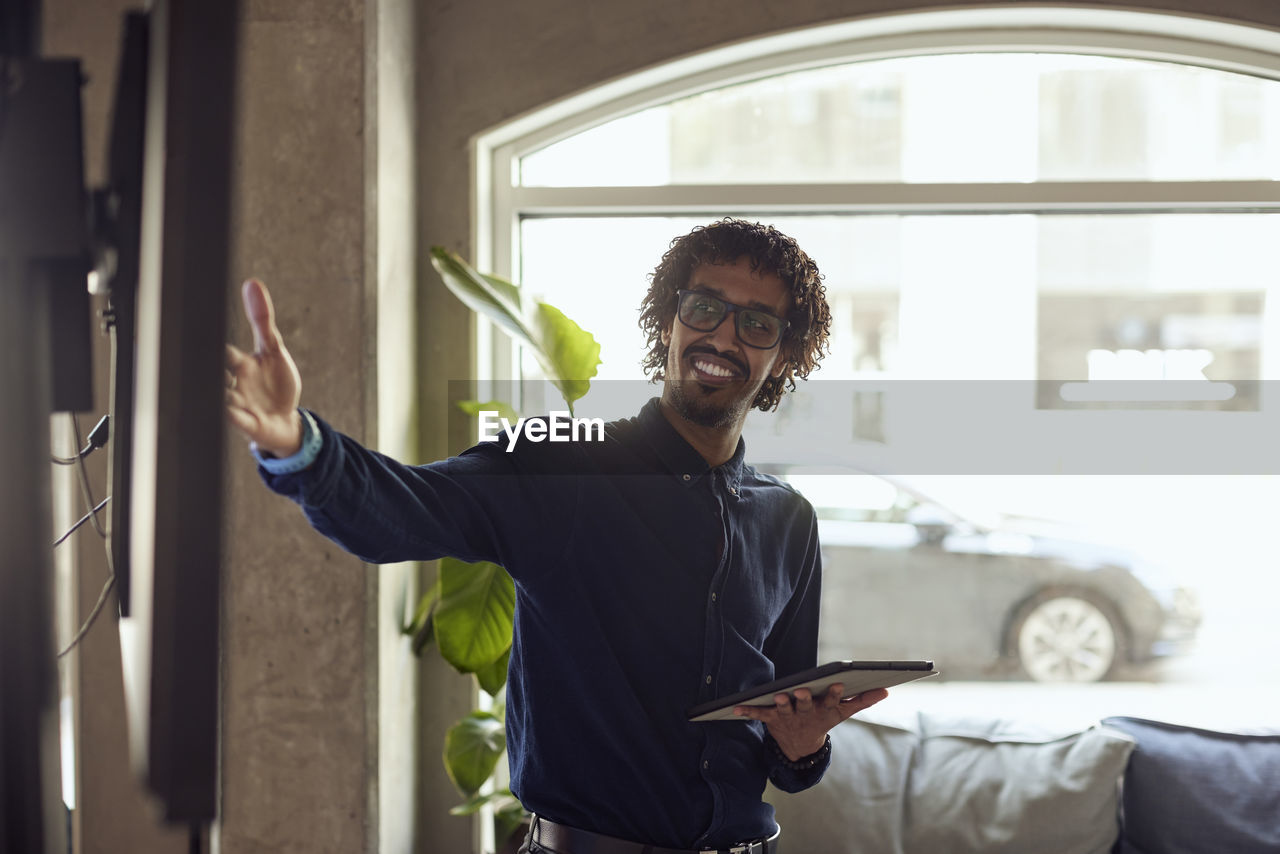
(1040, 427)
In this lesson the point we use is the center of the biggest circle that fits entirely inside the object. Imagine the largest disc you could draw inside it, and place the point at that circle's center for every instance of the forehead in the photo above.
(736, 282)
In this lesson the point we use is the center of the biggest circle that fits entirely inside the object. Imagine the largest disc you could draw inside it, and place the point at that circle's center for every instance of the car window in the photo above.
(854, 497)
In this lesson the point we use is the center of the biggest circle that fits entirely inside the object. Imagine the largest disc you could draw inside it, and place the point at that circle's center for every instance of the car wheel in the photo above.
(1062, 636)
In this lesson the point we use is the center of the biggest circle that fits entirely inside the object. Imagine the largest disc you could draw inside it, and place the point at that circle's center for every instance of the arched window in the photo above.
(1011, 207)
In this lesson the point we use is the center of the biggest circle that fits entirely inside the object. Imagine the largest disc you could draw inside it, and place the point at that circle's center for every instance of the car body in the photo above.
(907, 577)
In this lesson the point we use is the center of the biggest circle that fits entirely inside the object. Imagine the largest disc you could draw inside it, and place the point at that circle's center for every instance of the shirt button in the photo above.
(708, 680)
(734, 490)
(713, 597)
(685, 476)
(705, 765)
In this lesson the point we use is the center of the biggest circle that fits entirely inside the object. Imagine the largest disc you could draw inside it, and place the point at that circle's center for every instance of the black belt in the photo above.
(570, 840)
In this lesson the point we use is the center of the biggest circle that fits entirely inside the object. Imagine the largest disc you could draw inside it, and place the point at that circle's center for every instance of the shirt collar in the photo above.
(678, 455)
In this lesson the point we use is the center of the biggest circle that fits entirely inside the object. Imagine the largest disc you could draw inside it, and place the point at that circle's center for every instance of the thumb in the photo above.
(262, 316)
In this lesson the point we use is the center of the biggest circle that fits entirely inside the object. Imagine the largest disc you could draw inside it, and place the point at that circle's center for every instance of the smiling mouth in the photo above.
(714, 371)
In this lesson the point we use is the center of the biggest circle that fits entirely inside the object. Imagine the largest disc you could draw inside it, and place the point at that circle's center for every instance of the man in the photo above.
(654, 570)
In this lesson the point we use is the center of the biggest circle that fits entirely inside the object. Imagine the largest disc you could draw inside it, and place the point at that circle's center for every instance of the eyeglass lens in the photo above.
(704, 313)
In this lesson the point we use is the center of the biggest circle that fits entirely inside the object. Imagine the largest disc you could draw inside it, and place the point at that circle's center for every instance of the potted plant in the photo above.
(468, 614)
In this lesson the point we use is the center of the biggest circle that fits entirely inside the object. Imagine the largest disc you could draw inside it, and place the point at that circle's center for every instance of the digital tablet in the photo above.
(856, 676)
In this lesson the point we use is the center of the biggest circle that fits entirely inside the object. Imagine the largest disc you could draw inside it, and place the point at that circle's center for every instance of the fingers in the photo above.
(803, 701)
(262, 316)
(865, 700)
(781, 706)
(240, 417)
(235, 358)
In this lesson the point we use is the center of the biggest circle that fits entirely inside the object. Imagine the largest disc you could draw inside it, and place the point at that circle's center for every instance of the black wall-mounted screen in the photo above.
(169, 639)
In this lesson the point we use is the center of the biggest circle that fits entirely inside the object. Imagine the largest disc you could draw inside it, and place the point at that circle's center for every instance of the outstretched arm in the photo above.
(264, 387)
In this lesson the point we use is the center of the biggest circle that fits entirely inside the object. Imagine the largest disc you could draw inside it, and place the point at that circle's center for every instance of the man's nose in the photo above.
(725, 336)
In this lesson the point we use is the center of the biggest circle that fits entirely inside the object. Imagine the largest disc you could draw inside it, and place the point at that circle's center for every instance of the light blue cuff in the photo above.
(306, 455)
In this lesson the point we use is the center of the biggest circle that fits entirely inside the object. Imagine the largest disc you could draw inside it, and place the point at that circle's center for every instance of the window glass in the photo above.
(936, 119)
(1168, 573)
(1137, 587)
(994, 297)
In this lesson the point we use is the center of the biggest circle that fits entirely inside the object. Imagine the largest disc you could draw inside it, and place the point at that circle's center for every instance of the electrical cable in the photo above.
(85, 518)
(93, 615)
(84, 472)
(97, 438)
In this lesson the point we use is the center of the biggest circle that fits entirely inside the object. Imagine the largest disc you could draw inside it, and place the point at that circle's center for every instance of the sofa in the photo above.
(929, 784)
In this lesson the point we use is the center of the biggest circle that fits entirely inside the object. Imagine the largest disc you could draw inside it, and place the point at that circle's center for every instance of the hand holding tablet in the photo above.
(856, 676)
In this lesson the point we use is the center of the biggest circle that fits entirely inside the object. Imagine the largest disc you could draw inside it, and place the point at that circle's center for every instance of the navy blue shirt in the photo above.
(646, 583)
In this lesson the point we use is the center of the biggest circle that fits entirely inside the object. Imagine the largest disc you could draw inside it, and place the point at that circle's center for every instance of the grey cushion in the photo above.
(958, 785)
(1194, 791)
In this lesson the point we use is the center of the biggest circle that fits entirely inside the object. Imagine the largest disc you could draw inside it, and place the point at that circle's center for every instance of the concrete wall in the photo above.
(299, 669)
(340, 186)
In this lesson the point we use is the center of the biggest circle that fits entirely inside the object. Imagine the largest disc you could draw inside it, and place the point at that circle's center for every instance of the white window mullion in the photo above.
(1038, 197)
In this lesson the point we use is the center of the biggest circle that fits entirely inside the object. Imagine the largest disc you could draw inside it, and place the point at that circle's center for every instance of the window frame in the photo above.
(499, 205)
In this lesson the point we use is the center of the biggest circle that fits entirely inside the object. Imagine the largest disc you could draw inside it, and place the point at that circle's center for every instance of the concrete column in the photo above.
(299, 682)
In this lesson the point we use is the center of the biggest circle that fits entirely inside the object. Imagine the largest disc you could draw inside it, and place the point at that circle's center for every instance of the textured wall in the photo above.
(296, 672)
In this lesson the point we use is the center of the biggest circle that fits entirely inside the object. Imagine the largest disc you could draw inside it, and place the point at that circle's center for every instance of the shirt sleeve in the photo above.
(478, 506)
(793, 646)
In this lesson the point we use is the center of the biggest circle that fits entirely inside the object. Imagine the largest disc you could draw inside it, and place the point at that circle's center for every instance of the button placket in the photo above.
(713, 641)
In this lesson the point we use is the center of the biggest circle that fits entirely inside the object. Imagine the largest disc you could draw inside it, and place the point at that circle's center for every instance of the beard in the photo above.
(691, 401)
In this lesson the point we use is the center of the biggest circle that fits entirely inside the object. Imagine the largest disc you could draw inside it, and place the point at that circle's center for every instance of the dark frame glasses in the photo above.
(704, 312)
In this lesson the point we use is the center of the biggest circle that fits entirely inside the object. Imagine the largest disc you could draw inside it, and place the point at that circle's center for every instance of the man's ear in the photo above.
(666, 337)
(779, 367)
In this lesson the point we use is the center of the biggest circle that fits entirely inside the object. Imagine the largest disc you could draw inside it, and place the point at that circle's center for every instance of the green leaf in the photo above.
(493, 676)
(423, 637)
(475, 615)
(508, 813)
(504, 410)
(568, 354)
(422, 614)
(490, 296)
(421, 628)
(472, 748)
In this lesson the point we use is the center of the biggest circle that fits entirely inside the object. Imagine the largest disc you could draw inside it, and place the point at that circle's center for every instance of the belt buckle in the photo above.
(742, 848)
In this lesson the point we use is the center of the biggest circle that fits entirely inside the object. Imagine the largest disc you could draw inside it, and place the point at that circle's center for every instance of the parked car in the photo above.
(906, 576)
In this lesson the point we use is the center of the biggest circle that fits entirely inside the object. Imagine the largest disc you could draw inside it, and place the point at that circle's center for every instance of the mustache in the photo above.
(694, 349)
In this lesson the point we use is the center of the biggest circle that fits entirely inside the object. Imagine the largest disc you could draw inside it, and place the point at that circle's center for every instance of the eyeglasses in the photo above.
(703, 312)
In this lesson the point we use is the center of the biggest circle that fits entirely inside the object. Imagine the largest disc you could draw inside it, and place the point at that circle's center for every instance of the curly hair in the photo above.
(770, 252)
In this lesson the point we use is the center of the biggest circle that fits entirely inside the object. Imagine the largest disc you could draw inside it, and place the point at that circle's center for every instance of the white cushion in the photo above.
(959, 785)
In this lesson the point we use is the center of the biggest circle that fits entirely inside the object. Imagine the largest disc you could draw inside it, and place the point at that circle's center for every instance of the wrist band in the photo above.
(804, 763)
(305, 455)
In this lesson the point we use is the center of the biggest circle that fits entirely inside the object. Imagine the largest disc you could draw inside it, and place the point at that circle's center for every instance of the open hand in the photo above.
(800, 727)
(263, 388)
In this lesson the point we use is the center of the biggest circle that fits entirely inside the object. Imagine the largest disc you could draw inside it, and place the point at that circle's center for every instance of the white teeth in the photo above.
(714, 370)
